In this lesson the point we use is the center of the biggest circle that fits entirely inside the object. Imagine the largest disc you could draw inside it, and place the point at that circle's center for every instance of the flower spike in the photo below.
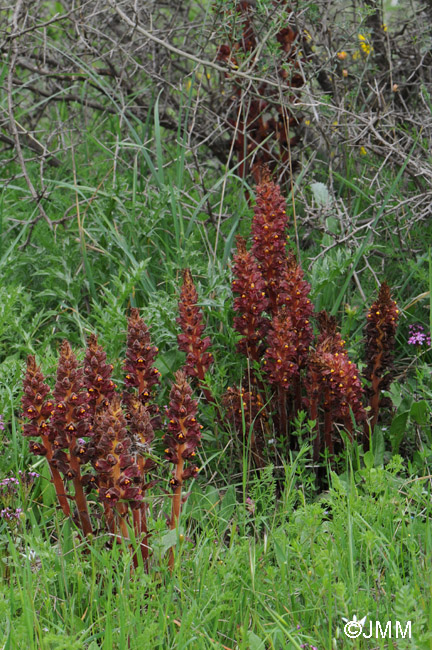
(198, 360)
(250, 302)
(71, 425)
(183, 437)
(38, 408)
(380, 331)
(97, 376)
(269, 236)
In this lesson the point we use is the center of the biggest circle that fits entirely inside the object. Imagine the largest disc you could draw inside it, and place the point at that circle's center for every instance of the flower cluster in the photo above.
(294, 295)
(9, 514)
(38, 409)
(333, 381)
(9, 486)
(250, 302)
(269, 237)
(118, 474)
(140, 357)
(198, 360)
(262, 128)
(418, 337)
(184, 432)
(182, 438)
(281, 357)
(70, 425)
(380, 332)
(97, 376)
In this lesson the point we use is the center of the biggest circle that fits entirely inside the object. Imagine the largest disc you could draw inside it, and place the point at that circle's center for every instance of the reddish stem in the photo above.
(56, 478)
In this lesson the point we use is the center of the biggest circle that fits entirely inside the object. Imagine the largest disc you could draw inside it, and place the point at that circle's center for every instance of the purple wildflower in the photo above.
(417, 336)
(9, 514)
(2, 426)
(8, 486)
(28, 478)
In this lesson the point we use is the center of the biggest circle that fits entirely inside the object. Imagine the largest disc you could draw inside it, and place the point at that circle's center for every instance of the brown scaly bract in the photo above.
(342, 377)
(70, 424)
(70, 421)
(141, 374)
(184, 432)
(250, 303)
(281, 357)
(198, 360)
(380, 330)
(119, 477)
(269, 236)
(39, 409)
(97, 376)
(293, 293)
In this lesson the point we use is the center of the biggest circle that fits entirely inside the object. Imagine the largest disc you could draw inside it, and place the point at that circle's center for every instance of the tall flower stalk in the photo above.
(269, 231)
(141, 374)
(38, 408)
(191, 341)
(70, 424)
(380, 330)
(250, 302)
(182, 438)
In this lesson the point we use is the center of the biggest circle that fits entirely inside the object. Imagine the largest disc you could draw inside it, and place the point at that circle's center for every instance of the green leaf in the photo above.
(255, 643)
(397, 430)
(369, 459)
(378, 447)
(420, 412)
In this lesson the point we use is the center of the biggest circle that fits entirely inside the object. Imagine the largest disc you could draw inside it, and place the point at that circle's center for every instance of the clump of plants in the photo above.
(100, 440)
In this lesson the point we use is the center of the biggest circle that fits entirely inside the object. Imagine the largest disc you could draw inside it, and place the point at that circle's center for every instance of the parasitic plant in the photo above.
(250, 302)
(71, 425)
(198, 359)
(141, 375)
(119, 476)
(269, 237)
(97, 376)
(380, 330)
(182, 438)
(39, 408)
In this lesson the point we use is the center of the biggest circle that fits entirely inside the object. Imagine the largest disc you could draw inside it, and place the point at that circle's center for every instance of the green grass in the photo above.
(364, 547)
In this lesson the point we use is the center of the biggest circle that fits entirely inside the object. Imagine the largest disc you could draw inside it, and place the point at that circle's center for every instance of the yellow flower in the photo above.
(367, 49)
(342, 56)
(384, 27)
(363, 151)
(307, 122)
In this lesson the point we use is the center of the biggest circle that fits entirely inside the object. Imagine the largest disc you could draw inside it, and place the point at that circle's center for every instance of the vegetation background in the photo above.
(118, 169)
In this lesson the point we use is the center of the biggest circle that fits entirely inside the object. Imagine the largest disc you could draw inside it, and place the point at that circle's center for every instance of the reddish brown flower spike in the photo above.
(140, 356)
(97, 375)
(119, 475)
(380, 332)
(251, 301)
(198, 360)
(281, 357)
(269, 236)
